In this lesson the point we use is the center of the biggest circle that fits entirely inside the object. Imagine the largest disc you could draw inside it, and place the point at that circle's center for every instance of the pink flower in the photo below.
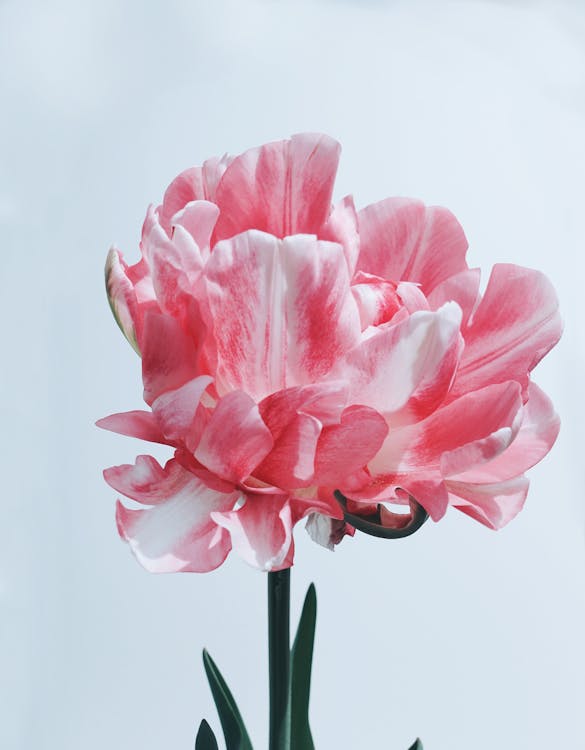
(291, 348)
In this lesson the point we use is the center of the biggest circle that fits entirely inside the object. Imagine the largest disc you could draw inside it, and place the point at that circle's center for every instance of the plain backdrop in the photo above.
(469, 638)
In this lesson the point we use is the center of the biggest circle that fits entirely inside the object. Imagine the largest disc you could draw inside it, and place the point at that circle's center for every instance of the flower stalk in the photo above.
(279, 658)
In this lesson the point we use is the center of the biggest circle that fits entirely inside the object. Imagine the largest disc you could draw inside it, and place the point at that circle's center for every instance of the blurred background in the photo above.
(469, 638)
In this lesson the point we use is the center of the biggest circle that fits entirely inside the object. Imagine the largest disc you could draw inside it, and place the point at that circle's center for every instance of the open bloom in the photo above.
(290, 348)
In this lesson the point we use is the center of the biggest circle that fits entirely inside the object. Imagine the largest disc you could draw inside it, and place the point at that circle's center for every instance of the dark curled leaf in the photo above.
(205, 738)
(301, 662)
(234, 731)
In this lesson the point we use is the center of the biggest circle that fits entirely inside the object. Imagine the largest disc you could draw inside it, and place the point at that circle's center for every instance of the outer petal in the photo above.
(537, 434)
(138, 424)
(261, 531)
(403, 240)
(324, 401)
(176, 410)
(491, 504)
(407, 367)
(177, 534)
(470, 431)
(235, 440)
(147, 482)
(282, 188)
(282, 311)
(169, 356)
(516, 323)
(122, 297)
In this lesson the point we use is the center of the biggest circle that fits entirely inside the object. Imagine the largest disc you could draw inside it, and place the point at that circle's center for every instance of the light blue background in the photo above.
(469, 638)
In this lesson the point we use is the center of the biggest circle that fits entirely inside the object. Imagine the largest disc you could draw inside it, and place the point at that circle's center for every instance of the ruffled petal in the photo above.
(537, 434)
(194, 184)
(198, 218)
(261, 531)
(404, 240)
(516, 323)
(324, 401)
(177, 533)
(282, 311)
(406, 369)
(235, 440)
(282, 188)
(468, 432)
(291, 463)
(494, 505)
(376, 299)
(176, 411)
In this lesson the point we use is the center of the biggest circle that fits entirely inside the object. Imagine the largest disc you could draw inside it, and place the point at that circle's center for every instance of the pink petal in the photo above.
(282, 188)
(138, 424)
(147, 482)
(516, 323)
(261, 531)
(236, 439)
(462, 288)
(376, 299)
(341, 227)
(324, 401)
(470, 431)
(122, 297)
(176, 536)
(169, 356)
(408, 367)
(196, 183)
(537, 434)
(282, 311)
(291, 463)
(494, 505)
(345, 448)
(403, 240)
(176, 410)
(412, 297)
(198, 218)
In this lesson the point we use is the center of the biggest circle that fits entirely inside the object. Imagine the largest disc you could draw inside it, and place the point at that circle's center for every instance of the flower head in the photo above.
(291, 348)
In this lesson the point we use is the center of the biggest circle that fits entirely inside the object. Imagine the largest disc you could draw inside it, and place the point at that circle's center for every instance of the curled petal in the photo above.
(261, 531)
(345, 448)
(516, 323)
(198, 218)
(406, 368)
(341, 227)
(235, 440)
(122, 297)
(176, 410)
(538, 432)
(291, 462)
(462, 288)
(494, 505)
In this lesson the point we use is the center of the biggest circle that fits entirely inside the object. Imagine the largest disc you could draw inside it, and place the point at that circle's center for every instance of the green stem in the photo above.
(279, 658)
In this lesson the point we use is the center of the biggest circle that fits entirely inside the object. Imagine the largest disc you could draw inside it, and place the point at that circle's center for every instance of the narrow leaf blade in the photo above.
(232, 724)
(205, 738)
(418, 745)
(301, 664)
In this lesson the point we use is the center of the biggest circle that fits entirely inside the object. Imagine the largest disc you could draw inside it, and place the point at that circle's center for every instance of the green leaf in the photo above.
(234, 731)
(418, 745)
(205, 738)
(301, 662)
